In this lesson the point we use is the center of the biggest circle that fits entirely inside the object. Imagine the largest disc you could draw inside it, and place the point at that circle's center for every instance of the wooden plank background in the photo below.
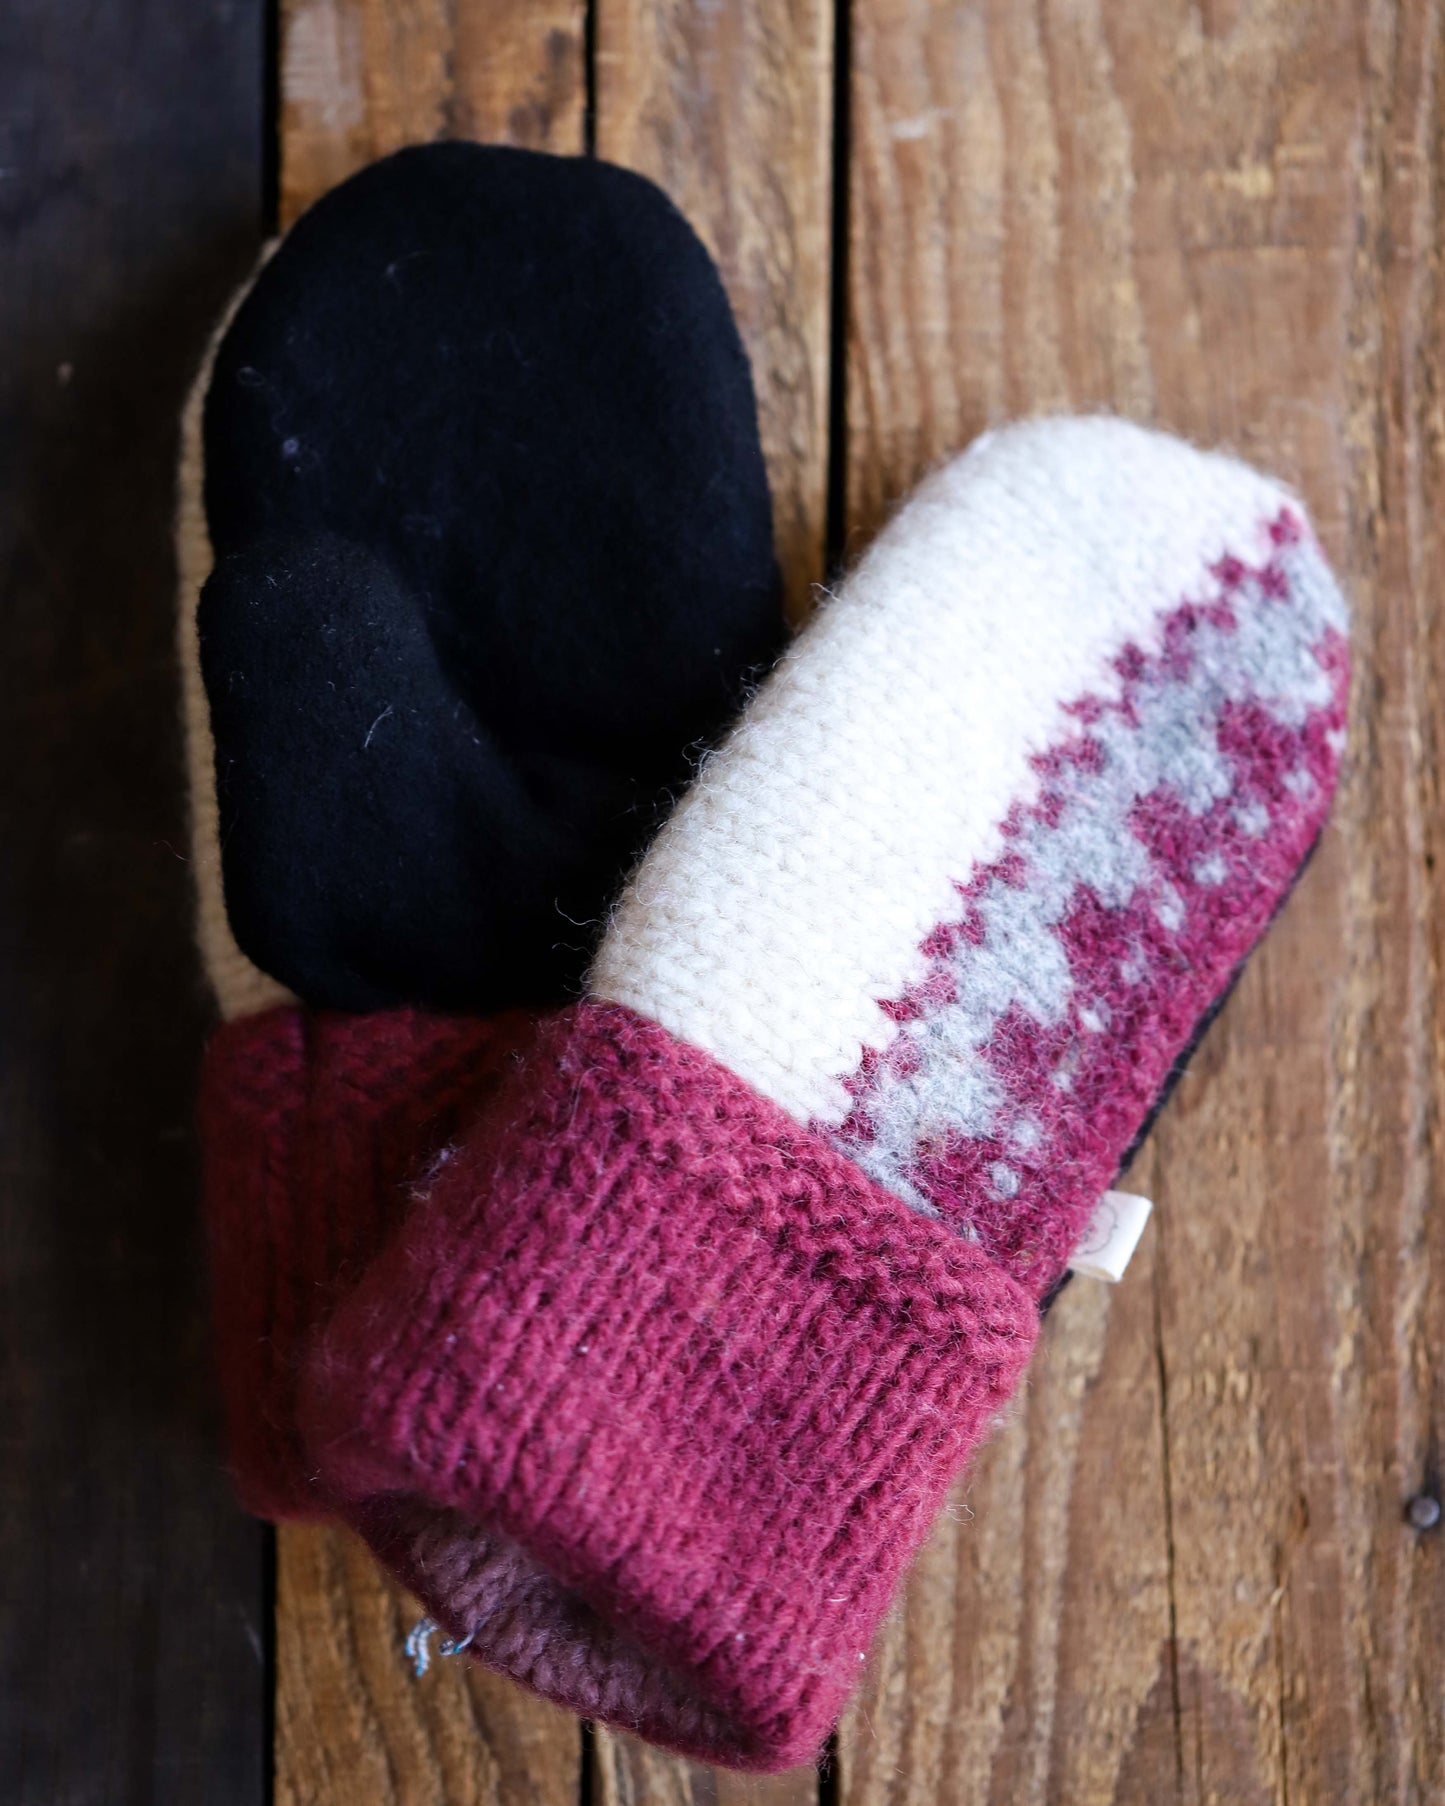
(133, 1602)
(1184, 1571)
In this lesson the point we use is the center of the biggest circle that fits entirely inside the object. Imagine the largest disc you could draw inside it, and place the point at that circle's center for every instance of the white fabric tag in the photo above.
(1113, 1233)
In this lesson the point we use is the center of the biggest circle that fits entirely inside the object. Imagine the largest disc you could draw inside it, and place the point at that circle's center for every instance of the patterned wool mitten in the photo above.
(694, 1329)
(484, 555)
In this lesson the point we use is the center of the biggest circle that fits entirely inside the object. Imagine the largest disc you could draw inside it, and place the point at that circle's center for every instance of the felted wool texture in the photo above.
(609, 1339)
(493, 561)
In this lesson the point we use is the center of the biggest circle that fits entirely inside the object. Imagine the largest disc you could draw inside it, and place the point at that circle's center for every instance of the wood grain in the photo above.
(1190, 1577)
(629, 1773)
(730, 109)
(360, 78)
(355, 1723)
(132, 1588)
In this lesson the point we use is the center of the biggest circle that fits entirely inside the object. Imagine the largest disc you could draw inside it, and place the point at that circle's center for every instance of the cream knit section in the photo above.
(241, 987)
(790, 893)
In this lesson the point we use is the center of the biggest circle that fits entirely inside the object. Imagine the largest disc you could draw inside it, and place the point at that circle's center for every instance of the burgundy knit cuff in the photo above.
(691, 1382)
(314, 1125)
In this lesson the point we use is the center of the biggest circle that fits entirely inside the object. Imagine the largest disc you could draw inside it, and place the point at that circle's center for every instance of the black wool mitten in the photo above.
(493, 558)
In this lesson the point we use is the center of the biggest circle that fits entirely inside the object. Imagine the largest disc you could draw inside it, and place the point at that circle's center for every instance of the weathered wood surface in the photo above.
(730, 109)
(359, 78)
(132, 1604)
(354, 1724)
(1184, 1572)
(133, 1607)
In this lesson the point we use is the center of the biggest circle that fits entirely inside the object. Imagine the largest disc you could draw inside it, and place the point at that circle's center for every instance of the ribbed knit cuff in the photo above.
(685, 1371)
(314, 1126)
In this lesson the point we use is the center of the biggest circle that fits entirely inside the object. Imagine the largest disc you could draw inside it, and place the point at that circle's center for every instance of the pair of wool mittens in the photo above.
(643, 1337)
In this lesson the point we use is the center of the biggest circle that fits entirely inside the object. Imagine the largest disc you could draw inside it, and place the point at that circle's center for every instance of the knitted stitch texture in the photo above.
(704, 1313)
(691, 1369)
(315, 1127)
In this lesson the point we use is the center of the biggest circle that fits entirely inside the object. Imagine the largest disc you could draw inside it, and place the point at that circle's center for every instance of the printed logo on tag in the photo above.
(1107, 1245)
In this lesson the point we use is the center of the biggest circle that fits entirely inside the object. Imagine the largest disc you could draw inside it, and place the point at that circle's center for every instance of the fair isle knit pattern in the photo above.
(1168, 824)
(1002, 826)
(790, 901)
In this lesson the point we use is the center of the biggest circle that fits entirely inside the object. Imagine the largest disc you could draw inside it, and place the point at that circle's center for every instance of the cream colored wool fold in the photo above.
(241, 987)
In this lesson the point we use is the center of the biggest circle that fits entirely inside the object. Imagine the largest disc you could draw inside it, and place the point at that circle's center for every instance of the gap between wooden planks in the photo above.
(1182, 1572)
